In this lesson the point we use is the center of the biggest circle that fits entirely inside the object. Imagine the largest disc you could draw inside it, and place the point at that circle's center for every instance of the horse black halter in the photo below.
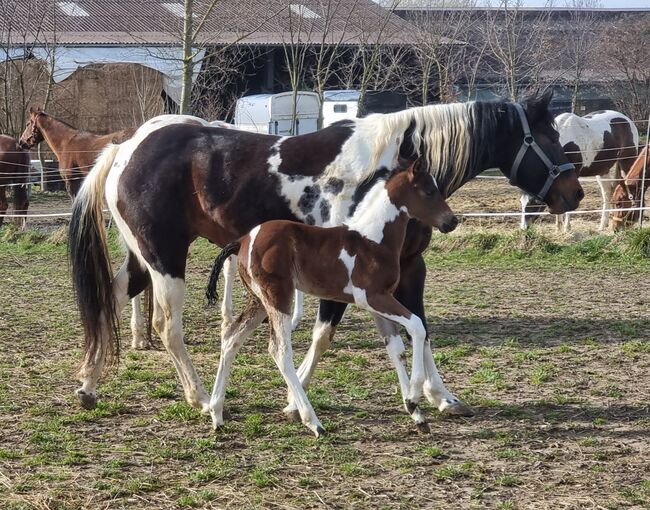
(554, 171)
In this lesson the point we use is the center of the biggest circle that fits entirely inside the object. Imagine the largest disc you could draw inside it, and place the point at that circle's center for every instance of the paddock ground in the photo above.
(545, 334)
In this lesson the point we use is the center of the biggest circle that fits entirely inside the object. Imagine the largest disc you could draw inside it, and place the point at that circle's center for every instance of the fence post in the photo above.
(645, 167)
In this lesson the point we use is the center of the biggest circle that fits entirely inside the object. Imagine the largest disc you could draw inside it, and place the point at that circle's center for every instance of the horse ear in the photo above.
(417, 167)
(537, 106)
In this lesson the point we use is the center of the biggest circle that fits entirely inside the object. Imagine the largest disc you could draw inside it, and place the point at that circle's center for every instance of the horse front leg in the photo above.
(389, 331)
(329, 316)
(410, 292)
(606, 193)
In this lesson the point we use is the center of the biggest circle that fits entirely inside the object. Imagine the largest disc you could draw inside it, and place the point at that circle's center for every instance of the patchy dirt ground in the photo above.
(554, 358)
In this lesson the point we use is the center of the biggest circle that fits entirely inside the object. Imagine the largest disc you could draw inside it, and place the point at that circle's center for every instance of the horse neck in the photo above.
(639, 171)
(380, 220)
(56, 133)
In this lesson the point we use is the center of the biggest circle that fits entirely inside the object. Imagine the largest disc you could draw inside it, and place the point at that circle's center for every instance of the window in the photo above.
(72, 9)
(340, 108)
(302, 10)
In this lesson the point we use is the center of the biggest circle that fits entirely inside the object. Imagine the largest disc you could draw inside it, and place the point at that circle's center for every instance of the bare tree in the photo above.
(440, 48)
(27, 52)
(374, 58)
(578, 45)
(195, 42)
(625, 59)
(517, 46)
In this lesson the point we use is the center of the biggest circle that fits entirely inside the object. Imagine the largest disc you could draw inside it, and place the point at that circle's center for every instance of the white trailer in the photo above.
(339, 105)
(273, 113)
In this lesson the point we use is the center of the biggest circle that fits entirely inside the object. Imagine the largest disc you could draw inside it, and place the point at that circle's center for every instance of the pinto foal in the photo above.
(354, 263)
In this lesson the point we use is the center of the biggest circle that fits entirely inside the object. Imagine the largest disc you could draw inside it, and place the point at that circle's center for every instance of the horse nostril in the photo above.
(580, 194)
(449, 225)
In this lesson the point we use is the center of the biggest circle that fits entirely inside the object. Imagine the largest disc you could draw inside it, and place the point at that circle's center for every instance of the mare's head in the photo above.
(625, 197)
(530, 154)
(417, 191)
(32, 135)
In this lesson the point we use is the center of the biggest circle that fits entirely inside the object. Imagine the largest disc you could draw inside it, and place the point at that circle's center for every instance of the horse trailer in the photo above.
(274, 113)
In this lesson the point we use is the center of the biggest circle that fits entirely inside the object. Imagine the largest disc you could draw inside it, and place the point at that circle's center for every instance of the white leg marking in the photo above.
(396, 353)
(524, 199)
(321, 340)
(169, 293)
(605, 192)
(229, 273)
(138, 340)
(298, 309)
(280, 350)
(233, 338)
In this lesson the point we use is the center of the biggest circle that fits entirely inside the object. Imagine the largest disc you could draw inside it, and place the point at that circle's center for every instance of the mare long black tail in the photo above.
(92, 276)
(211, 290)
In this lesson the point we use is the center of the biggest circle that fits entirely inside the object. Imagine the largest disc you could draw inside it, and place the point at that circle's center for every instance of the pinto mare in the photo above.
(628, 194)
(600, 144)
(14, 173)
(361, 261)
(167, 187)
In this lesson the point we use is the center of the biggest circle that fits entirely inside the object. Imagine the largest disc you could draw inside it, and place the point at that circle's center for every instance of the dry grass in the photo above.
(554, 355)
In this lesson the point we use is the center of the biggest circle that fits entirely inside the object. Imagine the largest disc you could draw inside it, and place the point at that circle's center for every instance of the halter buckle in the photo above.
(554, 171)
(529, 140)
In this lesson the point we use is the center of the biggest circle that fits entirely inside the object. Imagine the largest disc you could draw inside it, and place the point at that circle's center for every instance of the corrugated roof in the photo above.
(149, 22)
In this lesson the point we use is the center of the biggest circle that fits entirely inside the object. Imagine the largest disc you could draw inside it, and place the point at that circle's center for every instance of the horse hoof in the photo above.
(459, 408)
(320, 431)
(87, 400)
(293, 416)
(410, 406)
(423, 427)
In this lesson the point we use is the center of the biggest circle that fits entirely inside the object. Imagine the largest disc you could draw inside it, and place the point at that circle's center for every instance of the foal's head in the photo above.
(32, 135)
(415, 189)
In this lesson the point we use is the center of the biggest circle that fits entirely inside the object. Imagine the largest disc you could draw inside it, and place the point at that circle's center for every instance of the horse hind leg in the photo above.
(229, 272)
(233, 337)
(21, 204)
(169, 294)
(91, 368)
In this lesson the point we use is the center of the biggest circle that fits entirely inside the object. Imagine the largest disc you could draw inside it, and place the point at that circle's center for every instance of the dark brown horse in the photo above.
(627, 195)
(170, 184)
(14, 174)
(76, 150)
(361, 260)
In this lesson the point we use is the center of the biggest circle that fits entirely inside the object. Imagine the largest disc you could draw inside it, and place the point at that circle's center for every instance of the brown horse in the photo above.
(76, 150)
(14, 173)
(627, 195)
(361, 259)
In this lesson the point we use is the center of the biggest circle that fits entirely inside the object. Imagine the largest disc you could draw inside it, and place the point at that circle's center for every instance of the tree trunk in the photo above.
(188, 67)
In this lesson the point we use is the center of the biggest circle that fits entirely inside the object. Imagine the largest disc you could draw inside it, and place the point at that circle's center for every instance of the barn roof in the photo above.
(155, 22)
